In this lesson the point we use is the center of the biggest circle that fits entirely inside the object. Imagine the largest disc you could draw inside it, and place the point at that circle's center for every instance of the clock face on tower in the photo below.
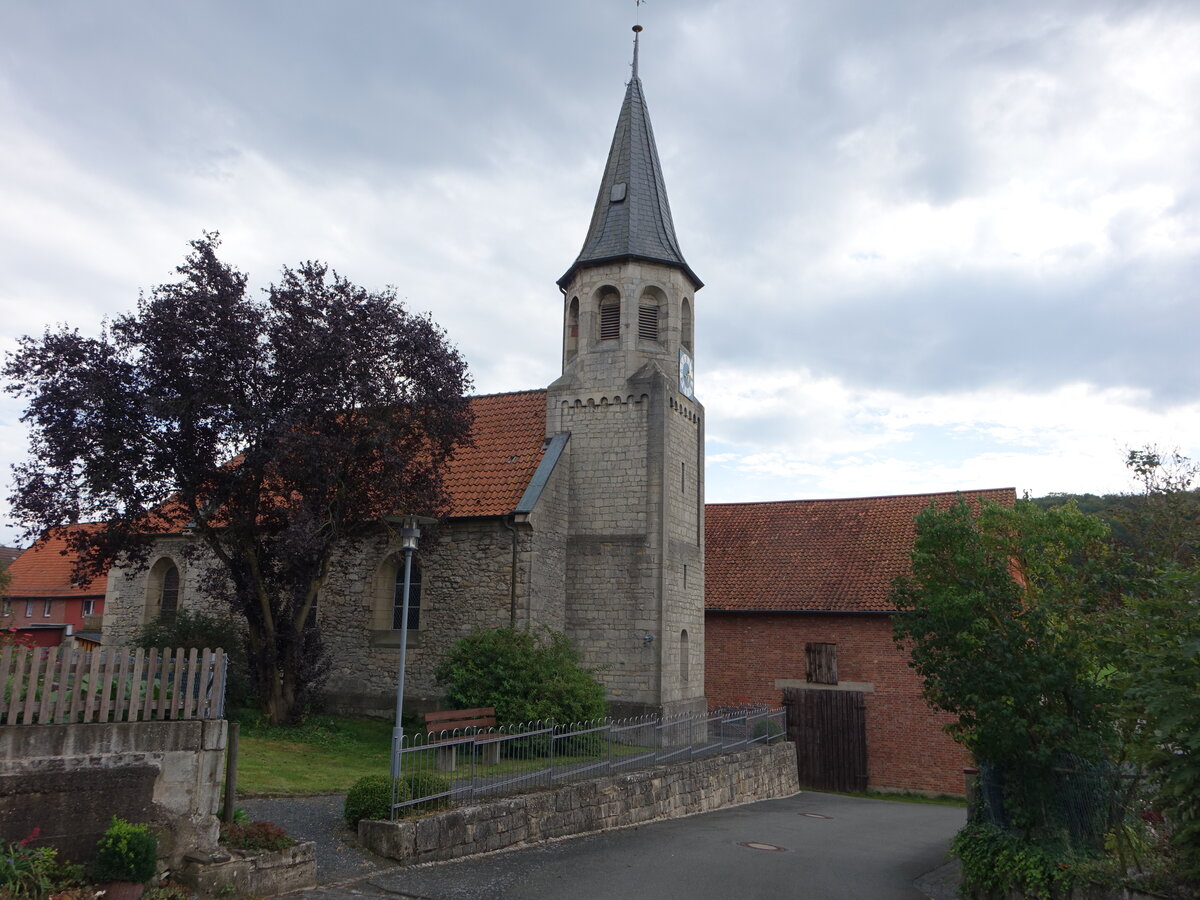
(687, 376)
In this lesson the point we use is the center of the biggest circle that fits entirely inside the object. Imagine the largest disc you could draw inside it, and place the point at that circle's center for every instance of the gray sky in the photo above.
(946, 245)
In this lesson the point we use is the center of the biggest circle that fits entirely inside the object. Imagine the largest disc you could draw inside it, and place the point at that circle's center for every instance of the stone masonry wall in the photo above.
(466, 569)
(70, 780)
(664, 792)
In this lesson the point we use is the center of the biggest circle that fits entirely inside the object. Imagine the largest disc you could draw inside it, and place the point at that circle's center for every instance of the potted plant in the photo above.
(126, 857)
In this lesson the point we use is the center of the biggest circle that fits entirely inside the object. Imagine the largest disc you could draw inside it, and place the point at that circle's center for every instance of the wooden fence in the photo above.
(60, 685)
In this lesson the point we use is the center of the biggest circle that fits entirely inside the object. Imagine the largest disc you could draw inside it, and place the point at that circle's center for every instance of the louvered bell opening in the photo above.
(610, 322)
(648, 323)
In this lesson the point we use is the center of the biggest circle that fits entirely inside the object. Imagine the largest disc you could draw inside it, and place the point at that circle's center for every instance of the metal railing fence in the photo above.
(452, 768)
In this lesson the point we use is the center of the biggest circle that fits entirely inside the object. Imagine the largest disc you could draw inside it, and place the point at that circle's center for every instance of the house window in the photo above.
(610, 317)
(29, 609)
(414, 598)
(89, 607)
(7, 607)
(46, 608)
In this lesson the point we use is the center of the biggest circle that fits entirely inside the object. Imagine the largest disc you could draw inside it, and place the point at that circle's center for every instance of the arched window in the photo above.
(168, 598)
(610, 316)
(683, 655)
(651, 312)
(162, 589)
(685, 326)
(414, 598)
(572, 344)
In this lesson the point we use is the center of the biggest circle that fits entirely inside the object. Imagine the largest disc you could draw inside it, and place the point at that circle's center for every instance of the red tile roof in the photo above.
(815, 554)
(42, 571)
(488, 477)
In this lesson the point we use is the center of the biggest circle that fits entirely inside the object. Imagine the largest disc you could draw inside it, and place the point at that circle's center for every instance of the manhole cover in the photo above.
(815, 816)
(758, 845)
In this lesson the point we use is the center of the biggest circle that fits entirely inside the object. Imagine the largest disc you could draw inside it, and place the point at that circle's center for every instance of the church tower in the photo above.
(634, 587)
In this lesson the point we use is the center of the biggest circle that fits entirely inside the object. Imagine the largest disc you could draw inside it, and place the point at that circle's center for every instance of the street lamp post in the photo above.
(410, 534)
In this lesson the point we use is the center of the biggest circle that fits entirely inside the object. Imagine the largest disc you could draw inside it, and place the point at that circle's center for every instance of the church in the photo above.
(579, 507)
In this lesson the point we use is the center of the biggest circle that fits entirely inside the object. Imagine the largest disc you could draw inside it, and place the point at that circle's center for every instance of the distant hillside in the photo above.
(1180, 515)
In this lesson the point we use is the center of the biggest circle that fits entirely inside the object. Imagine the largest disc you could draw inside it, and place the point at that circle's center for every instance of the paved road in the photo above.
(828, 848)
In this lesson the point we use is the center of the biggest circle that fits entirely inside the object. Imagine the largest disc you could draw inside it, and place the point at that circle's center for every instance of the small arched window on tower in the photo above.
(685, 326)
(573, 329)
(610, 316)
(683, 656)
(650, 308)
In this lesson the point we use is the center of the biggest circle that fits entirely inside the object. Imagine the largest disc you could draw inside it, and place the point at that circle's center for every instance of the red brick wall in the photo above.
(906, 748)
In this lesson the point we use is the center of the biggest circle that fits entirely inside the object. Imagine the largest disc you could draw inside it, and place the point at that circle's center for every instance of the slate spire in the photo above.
(632, 218)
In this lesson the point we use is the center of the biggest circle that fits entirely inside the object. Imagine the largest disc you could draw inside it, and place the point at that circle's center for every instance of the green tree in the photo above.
(524, 675)
(997, 617)
(1153, 640)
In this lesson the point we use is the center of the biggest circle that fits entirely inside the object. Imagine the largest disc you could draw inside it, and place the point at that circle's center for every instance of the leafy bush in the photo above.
(32, 873)
(255, 836)
(126, 852)
(523, 675)
(196, 628)
(422, 783)
(371, 798)
(996, 861)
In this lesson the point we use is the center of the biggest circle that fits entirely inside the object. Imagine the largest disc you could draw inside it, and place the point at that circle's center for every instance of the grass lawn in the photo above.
(326, 754)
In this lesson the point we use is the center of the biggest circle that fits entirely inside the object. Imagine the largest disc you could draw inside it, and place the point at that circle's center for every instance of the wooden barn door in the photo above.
(829, 729)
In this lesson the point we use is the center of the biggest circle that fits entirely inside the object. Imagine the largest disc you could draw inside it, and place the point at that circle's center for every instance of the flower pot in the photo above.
(123, 890)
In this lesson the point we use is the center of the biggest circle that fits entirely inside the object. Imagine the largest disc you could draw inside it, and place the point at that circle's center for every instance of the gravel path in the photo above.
(339, 855)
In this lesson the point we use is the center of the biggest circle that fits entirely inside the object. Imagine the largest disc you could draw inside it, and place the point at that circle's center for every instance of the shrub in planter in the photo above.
(255, 836)
(371, 798)
(126, 852)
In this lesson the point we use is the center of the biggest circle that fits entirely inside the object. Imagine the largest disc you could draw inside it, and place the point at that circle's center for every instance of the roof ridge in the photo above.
(507, 393)
(869, 497)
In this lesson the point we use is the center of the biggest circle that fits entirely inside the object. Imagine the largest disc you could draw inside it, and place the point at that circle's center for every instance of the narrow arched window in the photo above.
(610, 316)
(168, 597)
(685, 326)
(573, 329)
(683, 655)
(414, 598)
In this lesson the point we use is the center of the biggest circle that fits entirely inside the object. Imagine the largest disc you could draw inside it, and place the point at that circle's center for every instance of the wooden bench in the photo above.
(473, 723)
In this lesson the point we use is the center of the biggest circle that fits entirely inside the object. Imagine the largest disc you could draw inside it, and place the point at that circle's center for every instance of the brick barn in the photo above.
(788, 580)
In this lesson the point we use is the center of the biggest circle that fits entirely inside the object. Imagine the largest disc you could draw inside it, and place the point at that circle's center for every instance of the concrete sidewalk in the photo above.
(812, 845)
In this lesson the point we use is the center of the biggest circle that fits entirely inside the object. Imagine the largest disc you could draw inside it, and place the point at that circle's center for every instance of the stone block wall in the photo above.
(70, 780)
(618, 801)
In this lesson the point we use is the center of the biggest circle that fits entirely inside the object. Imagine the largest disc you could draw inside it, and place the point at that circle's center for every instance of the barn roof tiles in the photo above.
(815, 555)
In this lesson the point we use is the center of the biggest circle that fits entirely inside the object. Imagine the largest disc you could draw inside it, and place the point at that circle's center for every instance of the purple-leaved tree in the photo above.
(270, 430)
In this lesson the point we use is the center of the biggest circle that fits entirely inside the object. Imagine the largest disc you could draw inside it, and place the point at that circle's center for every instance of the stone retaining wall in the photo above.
(70, 780)
(664, 792)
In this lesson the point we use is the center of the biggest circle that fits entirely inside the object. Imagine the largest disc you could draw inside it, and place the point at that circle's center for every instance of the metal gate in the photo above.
(829, 729)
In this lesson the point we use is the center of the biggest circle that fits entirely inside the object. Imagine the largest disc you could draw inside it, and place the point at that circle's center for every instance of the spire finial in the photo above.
(637, 30)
